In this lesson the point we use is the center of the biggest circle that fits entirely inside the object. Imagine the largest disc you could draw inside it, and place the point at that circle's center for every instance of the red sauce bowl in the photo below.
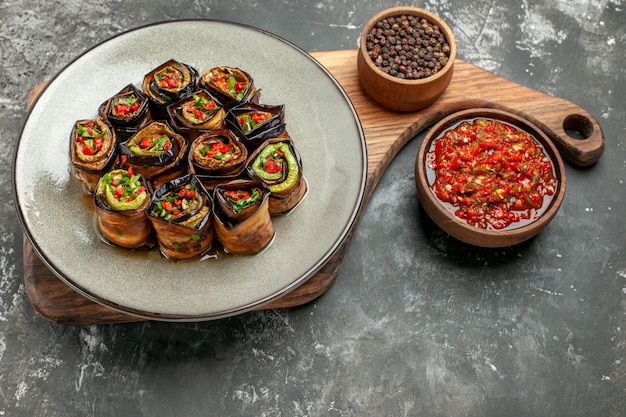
(443, 213)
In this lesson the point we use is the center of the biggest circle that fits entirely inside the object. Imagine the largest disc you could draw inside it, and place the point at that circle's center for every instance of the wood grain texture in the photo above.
(386, 132)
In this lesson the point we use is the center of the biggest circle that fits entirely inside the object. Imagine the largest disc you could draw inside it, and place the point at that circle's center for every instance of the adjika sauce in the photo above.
(493, 175)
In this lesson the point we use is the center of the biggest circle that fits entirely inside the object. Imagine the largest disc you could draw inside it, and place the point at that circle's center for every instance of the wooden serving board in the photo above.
(386, 132)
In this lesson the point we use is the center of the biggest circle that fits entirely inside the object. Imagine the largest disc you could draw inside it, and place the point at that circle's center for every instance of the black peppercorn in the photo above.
(421, 44)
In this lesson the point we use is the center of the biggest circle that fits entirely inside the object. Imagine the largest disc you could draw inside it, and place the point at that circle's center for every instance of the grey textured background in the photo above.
(417, 324)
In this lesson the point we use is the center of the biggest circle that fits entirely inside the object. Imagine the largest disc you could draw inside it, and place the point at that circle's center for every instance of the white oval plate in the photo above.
(57, 216)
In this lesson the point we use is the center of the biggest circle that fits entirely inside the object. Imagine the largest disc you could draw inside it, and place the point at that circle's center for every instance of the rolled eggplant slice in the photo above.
(198, 113)
(156, 152)
(243, 223)
(93, 148)
(182, 217)
(168, 83)
(127, 111)
(120, 201)
(217, 153)
(256, 122)
(231, 86)
(277, 164)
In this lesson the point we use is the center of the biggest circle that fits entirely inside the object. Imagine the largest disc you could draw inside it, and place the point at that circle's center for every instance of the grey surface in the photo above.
(416, 323)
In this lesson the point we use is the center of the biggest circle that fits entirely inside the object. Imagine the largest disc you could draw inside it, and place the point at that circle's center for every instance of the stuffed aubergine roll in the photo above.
(277, 164)
(256, 123)
(217, 154)
(156, 152)
(120, 201)
(127, 111)
(232, 86)
(196, 114)
(168, 83)
(93, 148)
(181, 214)
(242, 220)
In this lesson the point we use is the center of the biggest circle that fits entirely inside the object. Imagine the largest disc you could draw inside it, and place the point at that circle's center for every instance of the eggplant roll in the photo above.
(156, 152)
(232, 86)
(277, 164)
(168, 83)
(197, 113)
(243, 223)
(181, 214)
(126, 111)
(256, 123)
(217, 153)
(120, 202)
(93, 148)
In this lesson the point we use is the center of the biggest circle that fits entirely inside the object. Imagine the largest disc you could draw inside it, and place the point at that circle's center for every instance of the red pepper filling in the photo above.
(125, 188)
(173, 205)
(242, 198)
(155, 143)
(125, 106)
(90, 138)
(249, 121)
(237, 195)
(230, 85)
(217, 149)
(201, 107)
(492, 173)
(274, 162)
(171, 79)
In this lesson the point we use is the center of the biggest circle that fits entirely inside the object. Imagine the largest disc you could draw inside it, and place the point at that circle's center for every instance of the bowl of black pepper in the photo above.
(406, 58)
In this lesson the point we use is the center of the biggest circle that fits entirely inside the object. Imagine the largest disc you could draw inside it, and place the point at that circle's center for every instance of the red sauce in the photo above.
(491, 174)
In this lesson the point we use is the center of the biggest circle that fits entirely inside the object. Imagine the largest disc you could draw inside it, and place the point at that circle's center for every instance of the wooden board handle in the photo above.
(471, 87)
(575, 132)
(570, 118)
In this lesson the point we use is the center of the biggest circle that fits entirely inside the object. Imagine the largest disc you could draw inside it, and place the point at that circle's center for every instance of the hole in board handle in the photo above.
(578, 126)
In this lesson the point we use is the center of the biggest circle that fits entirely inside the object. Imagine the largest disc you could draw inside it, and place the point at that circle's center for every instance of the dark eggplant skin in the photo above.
(208, 167)
(126, 126)
(159, 168)
(271, 128)
(208, 82)
(129, 229)
(161, 97)
(283, 196)
(89, 168)
(178, 241)
(247, 232)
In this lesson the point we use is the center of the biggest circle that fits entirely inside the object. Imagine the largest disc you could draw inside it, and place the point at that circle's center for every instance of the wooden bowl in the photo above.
(443, 213)
(397, 93)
